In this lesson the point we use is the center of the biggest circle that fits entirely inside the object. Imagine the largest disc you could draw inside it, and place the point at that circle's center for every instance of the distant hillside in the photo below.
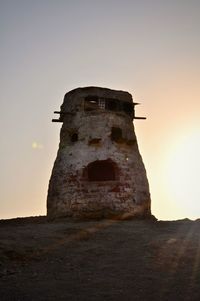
(99, 260)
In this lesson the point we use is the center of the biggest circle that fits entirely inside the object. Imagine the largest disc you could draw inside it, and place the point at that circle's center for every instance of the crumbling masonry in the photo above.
(98, 171)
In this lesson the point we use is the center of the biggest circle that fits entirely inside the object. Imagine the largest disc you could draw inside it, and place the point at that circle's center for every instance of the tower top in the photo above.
(100, 92)
(97, 99)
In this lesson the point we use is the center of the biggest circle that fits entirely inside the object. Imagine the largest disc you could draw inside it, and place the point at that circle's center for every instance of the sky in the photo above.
(149, 48)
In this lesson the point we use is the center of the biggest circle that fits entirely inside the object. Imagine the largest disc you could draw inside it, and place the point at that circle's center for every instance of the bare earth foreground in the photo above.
(99, 260)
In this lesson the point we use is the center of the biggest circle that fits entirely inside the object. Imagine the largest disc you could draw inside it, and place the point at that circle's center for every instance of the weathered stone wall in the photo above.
(93, 145)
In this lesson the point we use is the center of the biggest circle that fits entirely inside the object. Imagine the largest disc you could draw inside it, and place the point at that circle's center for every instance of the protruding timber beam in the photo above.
(57, 120)
(61, 115)
(139, 118)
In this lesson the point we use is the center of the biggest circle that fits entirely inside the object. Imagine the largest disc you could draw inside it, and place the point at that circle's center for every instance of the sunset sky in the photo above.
(150, 48)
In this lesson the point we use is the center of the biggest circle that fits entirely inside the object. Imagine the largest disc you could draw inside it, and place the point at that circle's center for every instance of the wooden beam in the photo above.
(139, 118)
(57, 120)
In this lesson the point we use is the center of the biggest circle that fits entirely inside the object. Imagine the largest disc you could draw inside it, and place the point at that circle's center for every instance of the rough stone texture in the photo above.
(98, 171)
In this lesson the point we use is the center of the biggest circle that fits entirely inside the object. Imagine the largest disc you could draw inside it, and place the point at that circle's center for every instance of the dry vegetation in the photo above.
(99, 260)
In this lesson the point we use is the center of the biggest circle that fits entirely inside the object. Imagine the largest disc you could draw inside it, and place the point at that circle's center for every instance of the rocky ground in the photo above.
(99, 260)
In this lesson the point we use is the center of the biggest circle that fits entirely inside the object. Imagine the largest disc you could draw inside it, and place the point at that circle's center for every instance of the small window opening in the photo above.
(128, 108)
(91, 103)
(116, 134)
(101, 170)
(74, 137)
(111, 105)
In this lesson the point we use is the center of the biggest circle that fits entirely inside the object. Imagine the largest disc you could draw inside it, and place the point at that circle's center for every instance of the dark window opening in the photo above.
(91, 98)
(128, 108)
(91, 103)
(101, 170)
(112, 105)
(74, 137)
(116, 134)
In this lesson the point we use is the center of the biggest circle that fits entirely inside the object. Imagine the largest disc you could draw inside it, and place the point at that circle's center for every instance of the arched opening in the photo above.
(101, 170)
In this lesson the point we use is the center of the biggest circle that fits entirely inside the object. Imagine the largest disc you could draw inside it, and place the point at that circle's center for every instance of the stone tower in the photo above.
(98, 171)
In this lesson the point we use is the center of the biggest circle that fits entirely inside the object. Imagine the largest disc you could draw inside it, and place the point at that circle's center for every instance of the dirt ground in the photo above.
(99, 260)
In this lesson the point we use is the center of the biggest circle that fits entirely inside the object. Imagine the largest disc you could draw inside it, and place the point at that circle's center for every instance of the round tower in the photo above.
(98, 171)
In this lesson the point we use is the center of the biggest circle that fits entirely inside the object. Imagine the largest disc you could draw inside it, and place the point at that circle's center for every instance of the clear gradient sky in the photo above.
(150, 48)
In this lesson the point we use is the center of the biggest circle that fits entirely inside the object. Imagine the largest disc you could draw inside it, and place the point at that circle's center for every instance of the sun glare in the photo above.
(36, 145)
(182, 175)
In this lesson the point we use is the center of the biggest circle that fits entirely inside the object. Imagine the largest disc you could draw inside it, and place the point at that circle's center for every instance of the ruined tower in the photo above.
(98, 171)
